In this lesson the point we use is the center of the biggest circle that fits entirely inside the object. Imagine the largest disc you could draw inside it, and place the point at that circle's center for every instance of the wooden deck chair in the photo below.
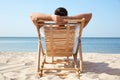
(59, 43)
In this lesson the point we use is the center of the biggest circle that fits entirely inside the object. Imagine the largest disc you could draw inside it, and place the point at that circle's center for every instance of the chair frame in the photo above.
(41, 53)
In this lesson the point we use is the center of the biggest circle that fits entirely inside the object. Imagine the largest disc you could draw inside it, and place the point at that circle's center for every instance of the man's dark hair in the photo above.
(61, 11)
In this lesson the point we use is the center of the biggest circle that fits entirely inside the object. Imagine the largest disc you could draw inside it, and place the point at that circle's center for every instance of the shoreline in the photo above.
(22, 66)
(36, 52)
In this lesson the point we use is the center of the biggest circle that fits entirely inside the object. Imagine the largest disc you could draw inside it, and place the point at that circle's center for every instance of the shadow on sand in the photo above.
(100, 68)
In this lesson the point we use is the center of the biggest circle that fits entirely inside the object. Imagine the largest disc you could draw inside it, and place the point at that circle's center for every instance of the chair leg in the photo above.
(40, 73)
(76, 65)
(52, 59)
(81, 59)
(75, 60)
(39, 67)
(67, 61)
(42, 66)
(39, 50)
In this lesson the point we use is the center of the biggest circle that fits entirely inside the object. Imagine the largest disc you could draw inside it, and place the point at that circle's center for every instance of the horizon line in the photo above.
(82, 37)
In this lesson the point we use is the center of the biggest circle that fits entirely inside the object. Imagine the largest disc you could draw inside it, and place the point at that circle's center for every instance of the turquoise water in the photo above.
(89, 44)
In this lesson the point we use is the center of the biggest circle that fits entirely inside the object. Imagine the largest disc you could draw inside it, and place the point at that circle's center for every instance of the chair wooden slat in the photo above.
(60, 39)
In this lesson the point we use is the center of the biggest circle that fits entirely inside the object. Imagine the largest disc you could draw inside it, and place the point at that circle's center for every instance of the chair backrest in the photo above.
(59, 40)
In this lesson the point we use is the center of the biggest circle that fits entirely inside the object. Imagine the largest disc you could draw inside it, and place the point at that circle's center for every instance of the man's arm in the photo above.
(47, 17)
(58, 19)
(39, 16)
(87, 17)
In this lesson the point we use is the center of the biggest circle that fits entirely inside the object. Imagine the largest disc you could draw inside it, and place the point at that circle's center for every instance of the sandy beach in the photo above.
(22, 66)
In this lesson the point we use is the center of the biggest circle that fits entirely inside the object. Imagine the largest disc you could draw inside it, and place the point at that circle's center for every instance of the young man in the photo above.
(60, 14)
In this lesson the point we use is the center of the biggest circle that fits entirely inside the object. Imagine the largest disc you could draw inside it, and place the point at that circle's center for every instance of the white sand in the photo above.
(22, 66)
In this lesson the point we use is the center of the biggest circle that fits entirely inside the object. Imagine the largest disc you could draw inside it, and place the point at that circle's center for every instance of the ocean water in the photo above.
(89, 44)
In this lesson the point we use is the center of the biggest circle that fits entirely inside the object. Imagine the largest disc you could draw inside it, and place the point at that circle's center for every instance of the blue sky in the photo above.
(15, 21)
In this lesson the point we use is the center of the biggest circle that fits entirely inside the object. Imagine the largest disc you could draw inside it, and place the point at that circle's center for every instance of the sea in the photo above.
(89, 44)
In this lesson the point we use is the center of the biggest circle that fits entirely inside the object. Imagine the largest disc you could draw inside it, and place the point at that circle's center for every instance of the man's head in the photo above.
(61, 11)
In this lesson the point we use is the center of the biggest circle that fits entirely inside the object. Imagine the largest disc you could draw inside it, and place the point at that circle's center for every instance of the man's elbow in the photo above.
(32, 17)
(90, 15)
